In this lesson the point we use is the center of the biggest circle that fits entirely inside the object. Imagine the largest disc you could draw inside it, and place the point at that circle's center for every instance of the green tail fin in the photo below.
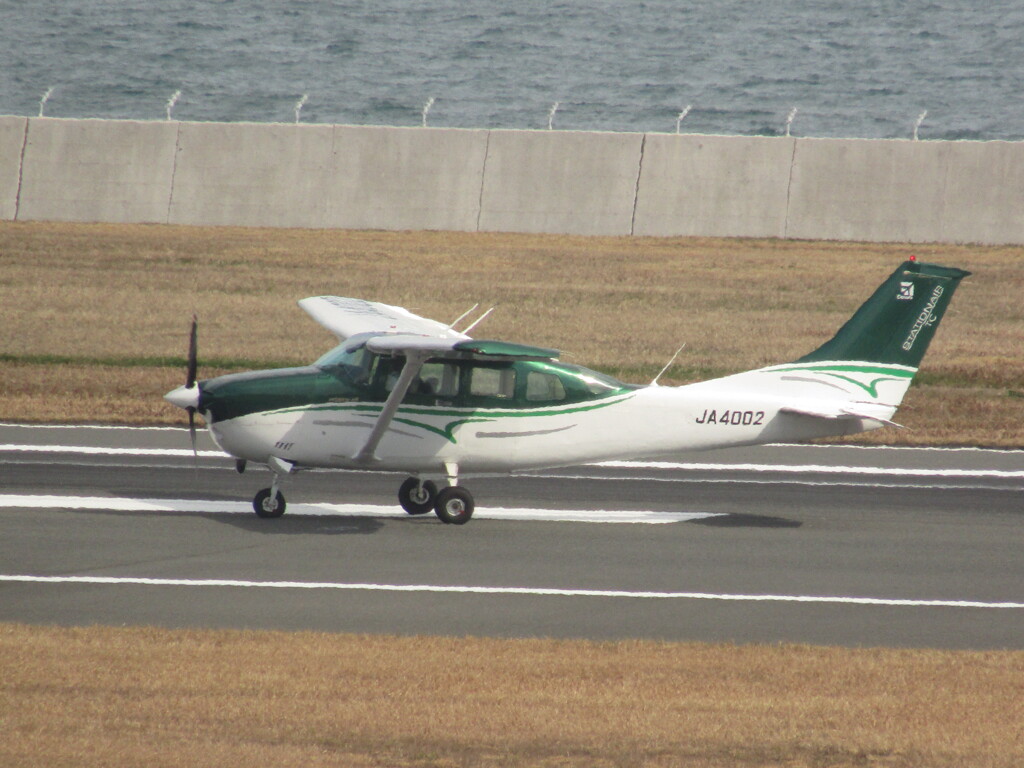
(897, 323)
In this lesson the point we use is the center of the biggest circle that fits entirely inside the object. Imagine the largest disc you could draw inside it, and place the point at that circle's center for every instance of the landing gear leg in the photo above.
(270, 502)
(454, 504)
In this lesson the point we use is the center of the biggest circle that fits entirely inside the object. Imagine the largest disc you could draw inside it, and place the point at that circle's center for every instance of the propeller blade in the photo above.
(192, 432)
(190, 377)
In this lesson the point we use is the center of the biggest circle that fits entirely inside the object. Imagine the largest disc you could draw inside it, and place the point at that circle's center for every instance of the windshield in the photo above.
(599, 383)
(351, 361)
(580, 379)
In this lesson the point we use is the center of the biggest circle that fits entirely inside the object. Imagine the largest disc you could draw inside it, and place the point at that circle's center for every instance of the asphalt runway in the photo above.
(823, 545)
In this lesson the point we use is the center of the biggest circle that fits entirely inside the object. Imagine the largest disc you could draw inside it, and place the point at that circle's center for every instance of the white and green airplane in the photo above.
(406, 394)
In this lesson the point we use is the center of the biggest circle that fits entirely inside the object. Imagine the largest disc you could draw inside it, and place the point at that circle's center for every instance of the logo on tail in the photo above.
(897, 323)
(925, 319)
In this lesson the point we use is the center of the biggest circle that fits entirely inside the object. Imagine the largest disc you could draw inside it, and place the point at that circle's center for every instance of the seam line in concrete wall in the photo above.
(944, 199)
(174, 171)
(483, 179)
(332, 164)
(636, 187)
(21, 169)
(789, 189)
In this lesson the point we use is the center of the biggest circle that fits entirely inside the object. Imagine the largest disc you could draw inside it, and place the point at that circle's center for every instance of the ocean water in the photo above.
(866, 69)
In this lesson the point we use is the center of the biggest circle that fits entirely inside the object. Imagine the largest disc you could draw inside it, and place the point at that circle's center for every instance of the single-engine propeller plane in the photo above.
(402, 393)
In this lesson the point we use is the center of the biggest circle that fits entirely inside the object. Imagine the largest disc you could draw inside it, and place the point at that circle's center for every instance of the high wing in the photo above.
(348, 317)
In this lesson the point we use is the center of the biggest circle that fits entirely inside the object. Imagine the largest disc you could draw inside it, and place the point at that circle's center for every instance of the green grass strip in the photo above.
(146, 362)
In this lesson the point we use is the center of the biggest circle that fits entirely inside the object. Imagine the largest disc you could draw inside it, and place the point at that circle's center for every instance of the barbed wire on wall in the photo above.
(691, 113)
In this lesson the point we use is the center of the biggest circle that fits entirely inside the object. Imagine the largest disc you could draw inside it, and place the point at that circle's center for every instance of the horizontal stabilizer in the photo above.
(837, 412)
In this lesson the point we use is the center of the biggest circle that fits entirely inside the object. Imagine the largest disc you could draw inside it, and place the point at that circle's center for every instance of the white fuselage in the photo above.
(424, 439)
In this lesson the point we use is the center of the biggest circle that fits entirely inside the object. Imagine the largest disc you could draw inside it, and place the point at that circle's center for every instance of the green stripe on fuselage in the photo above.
(842, 370)
(458, 416)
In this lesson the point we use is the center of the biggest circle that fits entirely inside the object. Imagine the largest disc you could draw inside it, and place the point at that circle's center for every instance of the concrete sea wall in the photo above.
(592, 183)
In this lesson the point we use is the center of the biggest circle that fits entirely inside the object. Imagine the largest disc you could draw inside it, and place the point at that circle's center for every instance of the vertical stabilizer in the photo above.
(897, 323)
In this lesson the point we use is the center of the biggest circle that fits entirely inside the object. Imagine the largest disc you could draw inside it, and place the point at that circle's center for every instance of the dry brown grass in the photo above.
(119, 697)
(121, 293)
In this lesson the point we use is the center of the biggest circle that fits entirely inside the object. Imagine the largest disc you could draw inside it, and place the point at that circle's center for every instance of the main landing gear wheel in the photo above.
(265, 506)
(417, 498)
(454, 505)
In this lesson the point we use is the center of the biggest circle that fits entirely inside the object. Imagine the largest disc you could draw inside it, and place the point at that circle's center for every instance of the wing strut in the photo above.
(413, 364)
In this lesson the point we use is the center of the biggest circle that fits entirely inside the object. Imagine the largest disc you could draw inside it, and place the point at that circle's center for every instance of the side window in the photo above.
(492, 382)
(387, 371)
(439, 379)
(544, 387)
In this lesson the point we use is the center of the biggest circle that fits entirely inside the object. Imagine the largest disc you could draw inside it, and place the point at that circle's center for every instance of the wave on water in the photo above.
(850, 69)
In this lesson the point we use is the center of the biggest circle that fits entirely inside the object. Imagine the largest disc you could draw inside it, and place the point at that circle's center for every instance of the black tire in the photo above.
(417, 498)
(264, 507)
(454, 505)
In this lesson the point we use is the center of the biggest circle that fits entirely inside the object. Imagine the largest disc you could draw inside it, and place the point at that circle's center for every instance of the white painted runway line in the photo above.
(693, 466)
(105, 427)
(481, 590)
(202, 506)
(812, 469)
(93, 450)
(853, 482)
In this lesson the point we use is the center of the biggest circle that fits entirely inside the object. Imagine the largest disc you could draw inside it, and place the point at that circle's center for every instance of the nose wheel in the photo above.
(269, 503)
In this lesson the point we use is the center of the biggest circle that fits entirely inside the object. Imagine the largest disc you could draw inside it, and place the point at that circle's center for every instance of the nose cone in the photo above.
(184, 397)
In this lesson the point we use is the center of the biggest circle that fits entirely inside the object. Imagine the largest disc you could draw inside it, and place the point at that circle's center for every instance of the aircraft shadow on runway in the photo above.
(326, 525)
(746, 520)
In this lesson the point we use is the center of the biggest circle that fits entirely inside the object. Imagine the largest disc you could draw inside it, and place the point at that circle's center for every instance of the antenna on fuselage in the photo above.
(477, 322)
(461, 317)
(466, 314)
(654, 382)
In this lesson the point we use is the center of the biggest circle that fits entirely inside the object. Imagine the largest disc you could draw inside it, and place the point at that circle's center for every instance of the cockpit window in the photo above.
(350, 362)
